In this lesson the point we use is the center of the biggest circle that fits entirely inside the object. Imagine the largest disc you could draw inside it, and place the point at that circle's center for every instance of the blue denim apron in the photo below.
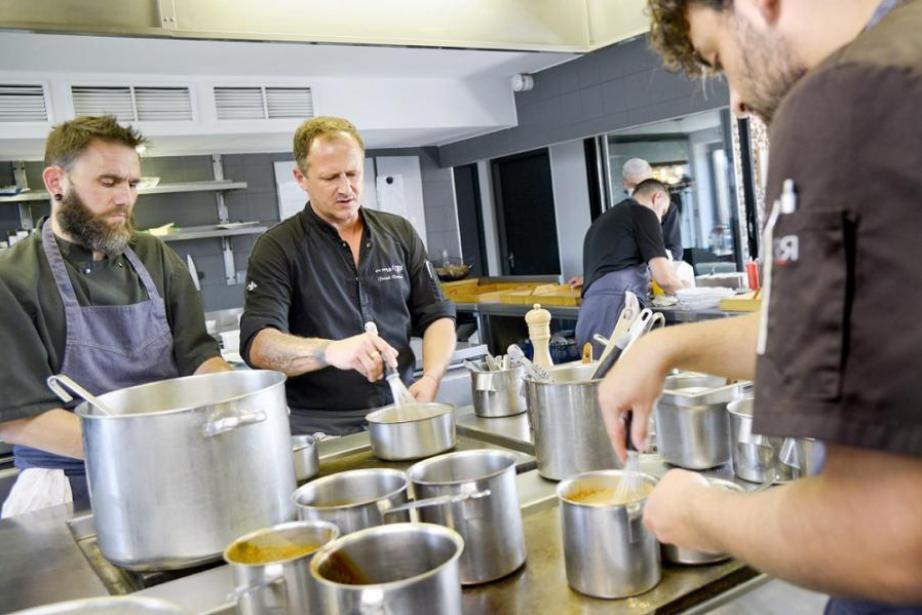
(604, 300)
(108, 347)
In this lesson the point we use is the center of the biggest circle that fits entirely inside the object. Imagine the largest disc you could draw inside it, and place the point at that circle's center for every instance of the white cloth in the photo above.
(37, 488)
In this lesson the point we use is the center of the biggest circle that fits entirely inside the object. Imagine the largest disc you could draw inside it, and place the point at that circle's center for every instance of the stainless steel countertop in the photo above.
(673, 314)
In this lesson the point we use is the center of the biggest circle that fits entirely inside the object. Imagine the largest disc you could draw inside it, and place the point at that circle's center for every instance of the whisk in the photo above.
(399, 391)
(631, 482)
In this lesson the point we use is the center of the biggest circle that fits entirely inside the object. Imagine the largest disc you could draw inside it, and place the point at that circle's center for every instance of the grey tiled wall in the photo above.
(615, 87)
(257, 202)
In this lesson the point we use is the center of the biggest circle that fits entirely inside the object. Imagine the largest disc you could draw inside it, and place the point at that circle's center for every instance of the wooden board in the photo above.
(749, 302)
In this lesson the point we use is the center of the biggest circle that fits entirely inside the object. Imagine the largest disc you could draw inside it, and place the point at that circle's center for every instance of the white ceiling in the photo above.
(21, 51)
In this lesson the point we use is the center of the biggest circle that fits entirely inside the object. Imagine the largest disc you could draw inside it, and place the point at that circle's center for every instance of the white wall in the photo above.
(571, 204)
(404, 194)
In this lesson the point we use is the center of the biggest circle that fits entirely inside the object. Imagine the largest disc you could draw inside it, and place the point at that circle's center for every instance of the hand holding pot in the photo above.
(671, 510)
(633, 384)
(365, 353)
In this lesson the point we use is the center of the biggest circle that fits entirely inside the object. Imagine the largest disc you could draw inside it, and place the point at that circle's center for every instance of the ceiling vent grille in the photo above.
(263, 103)
(22, 103)
(131, 104)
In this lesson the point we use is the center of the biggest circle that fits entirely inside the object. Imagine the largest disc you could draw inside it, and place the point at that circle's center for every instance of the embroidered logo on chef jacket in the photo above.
(787, 250)
(389, 272)
(252, 286)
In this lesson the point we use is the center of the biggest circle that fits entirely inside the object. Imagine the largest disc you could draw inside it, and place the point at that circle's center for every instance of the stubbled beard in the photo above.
(770, 70)
(91, 230)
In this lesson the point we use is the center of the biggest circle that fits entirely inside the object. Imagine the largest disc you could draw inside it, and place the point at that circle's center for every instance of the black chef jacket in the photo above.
(844, 345)
(302, 280)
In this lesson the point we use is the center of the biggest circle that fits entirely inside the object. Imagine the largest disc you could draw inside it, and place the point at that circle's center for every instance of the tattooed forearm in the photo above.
(286, 353)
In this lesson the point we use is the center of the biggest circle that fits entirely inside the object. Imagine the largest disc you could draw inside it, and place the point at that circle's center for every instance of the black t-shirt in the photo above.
(32, 323)
(626, 235)
(302, 280)
(844, 347)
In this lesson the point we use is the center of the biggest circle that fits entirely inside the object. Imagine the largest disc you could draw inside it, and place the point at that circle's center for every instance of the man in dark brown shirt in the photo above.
(836, 352)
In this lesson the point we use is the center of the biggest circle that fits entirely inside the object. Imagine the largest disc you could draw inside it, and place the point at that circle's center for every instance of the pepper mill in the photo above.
(539, 330)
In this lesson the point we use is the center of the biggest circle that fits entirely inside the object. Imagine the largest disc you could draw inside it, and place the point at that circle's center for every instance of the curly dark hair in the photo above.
(669, 35)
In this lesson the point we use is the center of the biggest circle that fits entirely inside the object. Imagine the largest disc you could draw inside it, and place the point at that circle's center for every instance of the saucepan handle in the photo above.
(230, 423)
(440, 500)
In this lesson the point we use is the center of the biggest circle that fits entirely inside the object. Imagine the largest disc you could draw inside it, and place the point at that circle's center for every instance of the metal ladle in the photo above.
(59, 383)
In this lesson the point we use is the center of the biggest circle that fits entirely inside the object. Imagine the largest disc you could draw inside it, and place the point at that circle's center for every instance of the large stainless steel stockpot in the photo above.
(608, 551)
(186, 465)
(272, 567)
(399, 568)
(498, 393)
(411, 431)
(564, 415)
(355, 499)
(491, 526)
(692, 426)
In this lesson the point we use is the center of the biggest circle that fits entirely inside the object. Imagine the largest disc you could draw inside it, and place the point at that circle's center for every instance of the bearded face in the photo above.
(107, 232)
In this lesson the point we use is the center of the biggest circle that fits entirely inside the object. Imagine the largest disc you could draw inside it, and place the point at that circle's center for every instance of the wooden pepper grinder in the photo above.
(539, 330)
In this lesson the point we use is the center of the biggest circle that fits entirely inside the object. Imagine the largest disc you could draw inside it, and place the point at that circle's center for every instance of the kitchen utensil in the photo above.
(400, 568)
(611, 356)
(109, 605)
(567, 425)
(801, 456)
(490, 362)
(306, 457)
(498, 393)
(628, 313)
(587, 353)
(607, 550)
(601, 340)
(186, 465)
(539, 331)
(60, 384)
(692, 424)
(411, 431)
(491, 526)
(755, 457)
(679, 555)
(533, 371)
(399, 391)
(353, 500)
(272, 567)
(441, 500)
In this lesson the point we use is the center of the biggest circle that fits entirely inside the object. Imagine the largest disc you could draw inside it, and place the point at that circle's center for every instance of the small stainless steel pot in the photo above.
(400, 568)
(692, 426)
(678, 555)
(109, 605)
(411, 431)
(564, 415)
(282, 584)
(498, 393)
(306, 457)
(755, 457)
(491, 526)
(355, 499)
(608, 551)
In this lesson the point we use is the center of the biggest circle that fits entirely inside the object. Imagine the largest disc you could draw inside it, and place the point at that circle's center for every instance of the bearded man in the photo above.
(88, 297)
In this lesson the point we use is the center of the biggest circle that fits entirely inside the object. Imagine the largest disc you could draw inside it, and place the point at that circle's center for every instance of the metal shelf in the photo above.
(211, 230)
(205, 186)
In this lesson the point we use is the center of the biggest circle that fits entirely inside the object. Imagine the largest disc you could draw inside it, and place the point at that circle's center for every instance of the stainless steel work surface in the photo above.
(41, 563)
(541, 585)
(353, 452)
(509, 431)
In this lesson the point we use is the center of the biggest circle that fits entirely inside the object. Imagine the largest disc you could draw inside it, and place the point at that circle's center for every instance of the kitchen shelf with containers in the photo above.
(222, 229)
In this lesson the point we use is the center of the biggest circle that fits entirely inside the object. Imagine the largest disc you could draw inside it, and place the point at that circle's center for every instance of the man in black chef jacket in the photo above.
(837, 349)
(86, 296)
(316, 279)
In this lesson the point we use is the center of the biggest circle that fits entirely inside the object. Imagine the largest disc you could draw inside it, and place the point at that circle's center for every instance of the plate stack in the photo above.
(702, 298)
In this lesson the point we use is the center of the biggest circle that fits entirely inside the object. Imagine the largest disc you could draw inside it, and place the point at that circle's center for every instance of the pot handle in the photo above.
(635, 529)
(439, 500)
(274, 582)
(230, 423)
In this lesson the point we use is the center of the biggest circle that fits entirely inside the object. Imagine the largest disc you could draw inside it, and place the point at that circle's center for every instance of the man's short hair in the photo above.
(650, 186)
(325, 126)
(669, 34)
(635, 168)
(68, 140)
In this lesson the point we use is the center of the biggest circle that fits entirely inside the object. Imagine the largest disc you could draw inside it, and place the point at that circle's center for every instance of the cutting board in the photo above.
(748, 302)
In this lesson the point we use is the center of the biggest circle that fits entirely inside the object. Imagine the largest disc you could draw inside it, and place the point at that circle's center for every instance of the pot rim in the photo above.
(439, 409)
(734, 406)
(313, 523)
(81, 408)
(323, 552)
(565, 484)
(302, 442)
(421, 465)
(338, 475)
